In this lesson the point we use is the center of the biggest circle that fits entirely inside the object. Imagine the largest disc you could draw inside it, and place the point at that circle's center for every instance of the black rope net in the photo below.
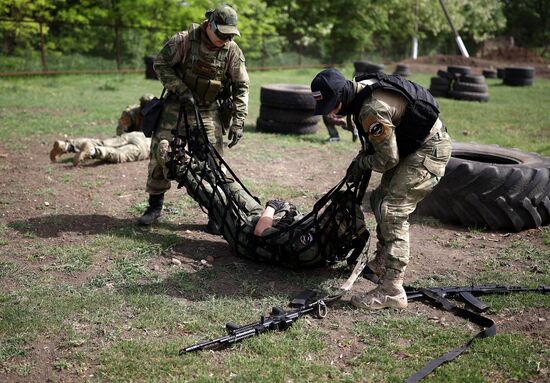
(334, 230)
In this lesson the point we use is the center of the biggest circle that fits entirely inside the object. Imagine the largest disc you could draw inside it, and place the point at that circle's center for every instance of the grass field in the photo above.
(86, 296)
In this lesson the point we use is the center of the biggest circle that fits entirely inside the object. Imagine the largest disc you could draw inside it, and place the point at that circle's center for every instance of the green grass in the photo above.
(59, 104)
(112, 304)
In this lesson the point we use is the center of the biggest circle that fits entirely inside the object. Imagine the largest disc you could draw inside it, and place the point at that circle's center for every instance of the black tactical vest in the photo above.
(420, 116)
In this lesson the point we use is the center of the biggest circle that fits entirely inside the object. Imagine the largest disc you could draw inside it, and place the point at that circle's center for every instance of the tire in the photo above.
(459, 69)
(362, 67)
(287, 96)
(299, 116)
(517, 81)
(439, 88)
(472, 79)
(439, 93)
(493, 187)
(469, 96)
(284, 127)
(447, 75)
(469, 87)
(402, 70)
(439, 81)
(522, 72)
(489, 73)
(500, 72)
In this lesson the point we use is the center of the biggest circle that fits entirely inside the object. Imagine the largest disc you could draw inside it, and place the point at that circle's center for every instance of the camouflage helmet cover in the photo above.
(225, 18)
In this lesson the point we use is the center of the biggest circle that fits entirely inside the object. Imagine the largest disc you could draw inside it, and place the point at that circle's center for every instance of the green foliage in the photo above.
(529, 22)
(328, 31)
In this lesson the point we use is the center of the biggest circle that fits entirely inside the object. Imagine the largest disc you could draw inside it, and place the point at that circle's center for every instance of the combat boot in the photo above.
(389, 294)
(59, 148)
(378, 263)
(86, 150)
(153, 211)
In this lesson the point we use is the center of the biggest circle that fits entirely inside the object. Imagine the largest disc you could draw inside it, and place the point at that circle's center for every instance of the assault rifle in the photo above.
(278, 319)
(467, 293)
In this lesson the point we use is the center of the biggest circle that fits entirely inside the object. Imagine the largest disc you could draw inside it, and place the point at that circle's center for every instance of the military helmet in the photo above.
(225, 18)
(145, 99)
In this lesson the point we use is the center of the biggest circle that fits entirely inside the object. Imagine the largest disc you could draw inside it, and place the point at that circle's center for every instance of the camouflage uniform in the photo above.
(406, 141)
(405, 181)
(128, 147)
(187, 59)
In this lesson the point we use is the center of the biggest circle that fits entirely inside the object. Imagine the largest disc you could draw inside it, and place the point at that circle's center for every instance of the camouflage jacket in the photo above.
(177, 55)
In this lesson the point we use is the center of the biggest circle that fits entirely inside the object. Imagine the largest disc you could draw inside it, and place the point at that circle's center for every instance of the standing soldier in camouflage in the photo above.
(399, 123)
(129, 145)
(205, 65)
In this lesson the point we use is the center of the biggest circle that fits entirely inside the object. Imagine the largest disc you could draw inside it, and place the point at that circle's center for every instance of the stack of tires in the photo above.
(518, 76)
(460, 84)
(363, 67)
(287, 109)
(489, 73)
(440, 85)
(402, 70)
(469, 87)
(459, 70)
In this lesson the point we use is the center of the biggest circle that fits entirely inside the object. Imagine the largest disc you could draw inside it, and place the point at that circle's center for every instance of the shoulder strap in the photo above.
(194, 33)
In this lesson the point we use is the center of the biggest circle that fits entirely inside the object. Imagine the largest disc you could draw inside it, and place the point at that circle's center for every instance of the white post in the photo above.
(461, 46)
(414, 48)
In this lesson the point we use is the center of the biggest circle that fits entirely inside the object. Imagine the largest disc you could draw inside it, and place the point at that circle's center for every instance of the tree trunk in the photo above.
(42, 47)
(117, 45)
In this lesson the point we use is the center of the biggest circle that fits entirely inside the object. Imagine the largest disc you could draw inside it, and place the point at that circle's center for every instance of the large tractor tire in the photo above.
(493, 187)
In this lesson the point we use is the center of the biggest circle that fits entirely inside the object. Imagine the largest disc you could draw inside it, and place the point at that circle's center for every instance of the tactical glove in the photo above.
(235, 134)
(185, 97)
(356, 168)
(276, 204)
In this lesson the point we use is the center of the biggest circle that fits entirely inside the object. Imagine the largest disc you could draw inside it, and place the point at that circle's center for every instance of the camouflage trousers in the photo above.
(400, 190)
(157, 183)
(128, 147)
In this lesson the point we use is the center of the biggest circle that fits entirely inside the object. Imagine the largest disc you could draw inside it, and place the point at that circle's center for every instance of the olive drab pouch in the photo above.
(203, 88)
(150, 115)
(204, 69)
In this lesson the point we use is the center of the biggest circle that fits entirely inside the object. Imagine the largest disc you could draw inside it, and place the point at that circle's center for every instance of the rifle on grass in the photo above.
(467, 293)
(277, 320)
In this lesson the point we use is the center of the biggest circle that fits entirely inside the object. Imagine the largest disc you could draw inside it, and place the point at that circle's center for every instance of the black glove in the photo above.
(276, 204)
(185, 97)
(355, 170)
(235, 134)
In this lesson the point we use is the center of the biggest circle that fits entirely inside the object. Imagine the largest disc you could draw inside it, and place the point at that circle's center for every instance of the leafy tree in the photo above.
(529, 22)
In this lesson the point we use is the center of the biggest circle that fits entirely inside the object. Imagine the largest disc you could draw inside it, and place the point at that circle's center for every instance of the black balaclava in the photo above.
(346, 97)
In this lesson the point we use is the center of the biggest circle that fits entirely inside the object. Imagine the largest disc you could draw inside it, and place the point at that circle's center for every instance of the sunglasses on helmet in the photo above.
(217, 32)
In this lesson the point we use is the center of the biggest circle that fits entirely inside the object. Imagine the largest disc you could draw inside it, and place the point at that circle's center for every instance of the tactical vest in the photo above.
(420, 116)
(203, 72)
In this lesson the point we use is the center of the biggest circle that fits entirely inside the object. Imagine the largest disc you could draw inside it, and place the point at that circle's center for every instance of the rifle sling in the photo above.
(488, 325)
